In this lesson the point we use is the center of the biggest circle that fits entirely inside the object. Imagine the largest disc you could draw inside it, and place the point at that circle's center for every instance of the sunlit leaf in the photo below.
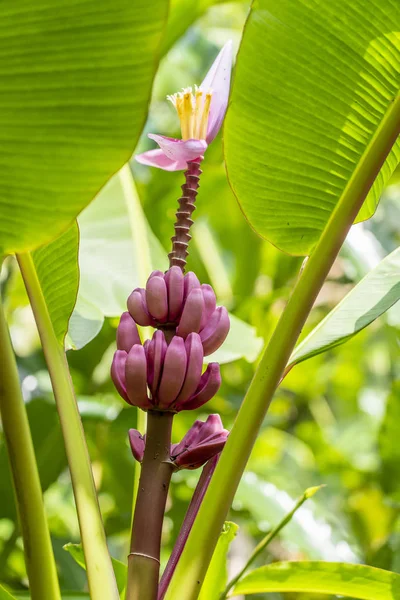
(180, 19)
(75, 85)
(367, 301)
(355, 581)
(313, 83)
(57, 270)
(310, 533)
(217, 574)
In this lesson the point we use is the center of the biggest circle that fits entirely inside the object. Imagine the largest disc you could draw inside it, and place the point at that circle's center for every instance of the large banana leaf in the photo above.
(313, 83)
(76, 78)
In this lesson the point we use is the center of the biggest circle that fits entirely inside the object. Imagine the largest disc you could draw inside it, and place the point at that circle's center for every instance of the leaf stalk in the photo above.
(39, 557)
(101, 578)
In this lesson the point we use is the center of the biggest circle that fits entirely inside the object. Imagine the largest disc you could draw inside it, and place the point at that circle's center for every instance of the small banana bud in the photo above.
(137, 307)
(136, 377)
(215, 331)
(210, 303)
(155, 352)
(156, 298)
(127, 333)
(190, 282)
(209, 385)
(137, 443)
(173, 374)
(192, 313)
(194, 351)
(175, 285)
(118, 373)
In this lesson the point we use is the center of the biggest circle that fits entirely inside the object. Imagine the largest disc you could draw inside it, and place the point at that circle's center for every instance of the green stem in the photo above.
(101, 578)
(269, 537)
(144, 557)
(39, 558)
(192, 567)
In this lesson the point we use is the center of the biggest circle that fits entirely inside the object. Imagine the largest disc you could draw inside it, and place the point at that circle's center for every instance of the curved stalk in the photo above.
(39, 557)
(101, 578)
(192, 567)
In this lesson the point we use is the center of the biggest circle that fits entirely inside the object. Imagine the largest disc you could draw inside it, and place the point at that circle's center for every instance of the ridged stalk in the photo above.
(183, 223)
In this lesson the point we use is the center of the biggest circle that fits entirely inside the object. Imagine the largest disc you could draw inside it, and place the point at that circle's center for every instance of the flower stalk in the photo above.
(144, 557)
(100, 573)
(180, 241)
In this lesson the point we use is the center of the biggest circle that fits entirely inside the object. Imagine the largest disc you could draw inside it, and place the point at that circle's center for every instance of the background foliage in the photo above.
(333, 421)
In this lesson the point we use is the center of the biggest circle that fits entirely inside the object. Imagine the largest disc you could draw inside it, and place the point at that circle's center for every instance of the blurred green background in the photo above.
(335, 419)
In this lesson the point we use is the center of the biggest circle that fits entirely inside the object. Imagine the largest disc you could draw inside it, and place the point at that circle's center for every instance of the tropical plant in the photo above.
(136, 330)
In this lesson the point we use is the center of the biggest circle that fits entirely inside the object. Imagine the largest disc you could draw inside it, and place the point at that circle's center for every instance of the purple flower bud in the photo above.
(137, 443)
(203, 441)
(127, 333)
